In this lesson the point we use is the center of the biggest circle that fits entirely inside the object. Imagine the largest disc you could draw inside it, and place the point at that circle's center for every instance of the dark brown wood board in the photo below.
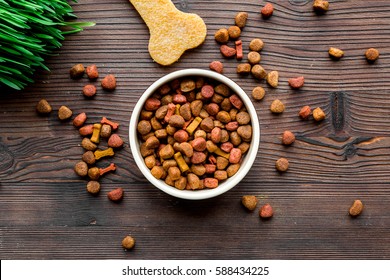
(46, 212)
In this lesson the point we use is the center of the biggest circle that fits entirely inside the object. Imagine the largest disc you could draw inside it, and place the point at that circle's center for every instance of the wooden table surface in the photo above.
(46, 212)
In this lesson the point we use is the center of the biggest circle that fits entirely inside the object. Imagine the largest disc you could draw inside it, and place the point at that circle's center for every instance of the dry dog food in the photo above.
(172, 32)
(254, 57)
(234, 32)
(335, 53)
(241, 19)
(249, 202)
(256, 45)
(267, 10)
(318, 114)
(273, 79)
(356, 208)
(128, 242)
(277, 106)
(258, 93)
(92, 72)
(305, 112)
(297, 82)
(372, 54)
(282, 164)
(115, 195)
(109, 82)
(222, 36)
(320, 6)
(288, 138)
(77, 71)
(216, 66)
(89, 90)
(198, 140)
(64, 113)
(43, 107)
(266, 211)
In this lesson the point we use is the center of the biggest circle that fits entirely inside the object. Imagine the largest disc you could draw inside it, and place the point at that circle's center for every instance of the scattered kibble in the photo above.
(81, 168)
(115, 141)
(115, 195)
(297, 82)
(282, 164)
(356, 208)
(256, 45)
(216, 66)
(222, 36)
(93, 187)
(335, 53)
(227, 51)
(288, 138)
(267, 10)
(254, 57)
(77, 71)
(258, 93)
(273, 79)
(64, 113)
(318, 114)
(128, 242)
(258, 72)
(372, 55)
(249, 202)
(89, 90)
(239, 53)
(243, 68)
(92, 72)
(80, 119)
(241, 19)
(234, 32)
(277, 107)
(305, 112)
(266, 211)
(43, 107)
(320, 6)
(109, 82)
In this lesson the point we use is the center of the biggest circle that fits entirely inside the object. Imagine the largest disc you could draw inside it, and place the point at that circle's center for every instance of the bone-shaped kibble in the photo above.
(172, 32)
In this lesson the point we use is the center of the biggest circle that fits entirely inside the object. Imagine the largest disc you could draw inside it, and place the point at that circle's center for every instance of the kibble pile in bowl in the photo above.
(192, 132)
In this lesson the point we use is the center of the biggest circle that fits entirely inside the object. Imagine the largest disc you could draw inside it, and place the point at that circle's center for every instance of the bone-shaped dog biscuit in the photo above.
(172, 32)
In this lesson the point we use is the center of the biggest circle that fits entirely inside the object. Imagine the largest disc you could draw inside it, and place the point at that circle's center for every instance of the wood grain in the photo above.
(47, 214)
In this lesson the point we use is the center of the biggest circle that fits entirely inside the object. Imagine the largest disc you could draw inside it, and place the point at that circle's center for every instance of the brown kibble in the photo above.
(256, 45)
(227, 51)
(234, 32)
(128, 242)
(254, 57)
(187, 85)
(243, 68)
(372, 54)
(176, 121)
(81, 168)
(220, 175)
(193, 181)
(174, 173)
(232, 169)
(43, 107)
(222, 89)
(240, 19)
(157, 171)
(258, 72)
(64, 113)
(356, 208)
(80, 119)
(296, 83)
(216, 66)
(152, 142)
(258, 93)
(144, 127)
(92, 72)
(277, 106)
(89, 157)
(267, 10)
(115, 195)
(305, 112)
(77, 71)
(282, 164)
(105, 131)
(273, 78)
(245, 132)
(288, 138)
(222, 36)
(320, 6)
(318, 114)
(266, 211)
(115, 141)
(249, 202)
(181, 183)
(243, 118)
(89, 90)
(335, 53)
(109, 82)
(93, 187)
(94, 173)
(167, 152)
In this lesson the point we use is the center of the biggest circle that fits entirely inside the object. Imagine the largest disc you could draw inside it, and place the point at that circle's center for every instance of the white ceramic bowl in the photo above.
(248, 158)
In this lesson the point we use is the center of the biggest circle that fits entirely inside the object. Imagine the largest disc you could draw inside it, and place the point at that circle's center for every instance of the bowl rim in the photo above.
(204, 193)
